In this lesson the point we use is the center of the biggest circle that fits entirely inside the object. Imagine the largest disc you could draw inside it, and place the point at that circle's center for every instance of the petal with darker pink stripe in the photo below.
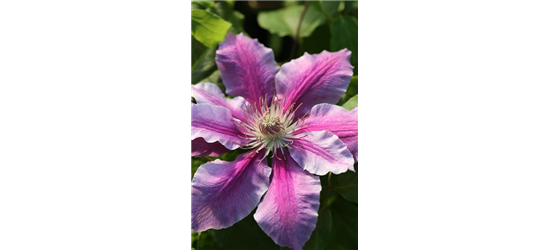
(215, 124)
(223, 193)
(314, 79)
(209, 93)
(337, 120)
(289, 210)
(247, 67)
(320, 152)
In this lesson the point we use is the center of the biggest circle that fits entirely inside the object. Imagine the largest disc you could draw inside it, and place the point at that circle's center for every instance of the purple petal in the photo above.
(223, 193)
(320, 152)
(209, 93)
(247, 67)
(214, 123)
(314, 79)
(337, 120)
(289, 210)
(199, 148)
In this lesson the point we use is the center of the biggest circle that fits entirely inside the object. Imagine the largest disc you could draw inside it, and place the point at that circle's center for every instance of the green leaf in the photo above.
(208, 28)
(344, 234)
(350, 7)
(329, 8)
(204, 66)
(322, 231)
(284, 22)
(344, 31)
(225, 11)
(197, 50)
(351, 103)
(204, 4)
(245, 234)
(347, 185)
(205, 241)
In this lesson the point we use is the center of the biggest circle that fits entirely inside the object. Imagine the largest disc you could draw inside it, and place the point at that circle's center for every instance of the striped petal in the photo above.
(200, 148)
(209, 93)
(215, 124)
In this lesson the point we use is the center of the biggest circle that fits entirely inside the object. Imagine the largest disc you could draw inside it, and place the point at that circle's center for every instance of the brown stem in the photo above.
(296, 37)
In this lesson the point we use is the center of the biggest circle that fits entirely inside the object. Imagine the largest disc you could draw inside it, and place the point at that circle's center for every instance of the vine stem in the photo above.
(296, 37)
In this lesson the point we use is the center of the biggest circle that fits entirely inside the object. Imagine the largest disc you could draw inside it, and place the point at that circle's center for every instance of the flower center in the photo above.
(269, 126)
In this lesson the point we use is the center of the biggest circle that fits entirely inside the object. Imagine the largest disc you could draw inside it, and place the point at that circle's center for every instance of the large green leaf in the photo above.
(344, 31)
(347, 185)
(351, 103)
(284, 22)
(329, 8)
(204, 66)
(225, 11)
(208, 28)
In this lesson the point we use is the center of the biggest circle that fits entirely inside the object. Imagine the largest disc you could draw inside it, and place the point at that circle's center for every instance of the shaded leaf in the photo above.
(204, 66)
(208, 28)
(205, 241)
(351, 7)
(225, 11)
(347, 185)
(344, 31)
(197, 49)
(329, 8)
(284, 22)
(344, 234)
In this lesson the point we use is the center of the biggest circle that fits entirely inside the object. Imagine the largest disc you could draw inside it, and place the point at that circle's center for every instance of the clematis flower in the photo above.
(288, 114)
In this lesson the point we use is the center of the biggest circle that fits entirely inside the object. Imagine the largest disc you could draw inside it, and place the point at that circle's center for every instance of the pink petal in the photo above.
(199, 148)
(214, 123)
(247, 67)
(314, 79)
(337, 120)
(209, 93)
(289, 210)
(320, 152)
(223, 193)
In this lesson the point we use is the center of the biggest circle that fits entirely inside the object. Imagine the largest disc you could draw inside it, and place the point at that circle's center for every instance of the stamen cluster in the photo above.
(269, 126)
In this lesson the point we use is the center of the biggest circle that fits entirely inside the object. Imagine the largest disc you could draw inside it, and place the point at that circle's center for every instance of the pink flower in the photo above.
(287, 113)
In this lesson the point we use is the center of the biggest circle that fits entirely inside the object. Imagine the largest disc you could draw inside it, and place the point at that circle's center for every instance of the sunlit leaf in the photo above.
(208, 28)
(204, 4)
(284, 22)
(351, 103)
